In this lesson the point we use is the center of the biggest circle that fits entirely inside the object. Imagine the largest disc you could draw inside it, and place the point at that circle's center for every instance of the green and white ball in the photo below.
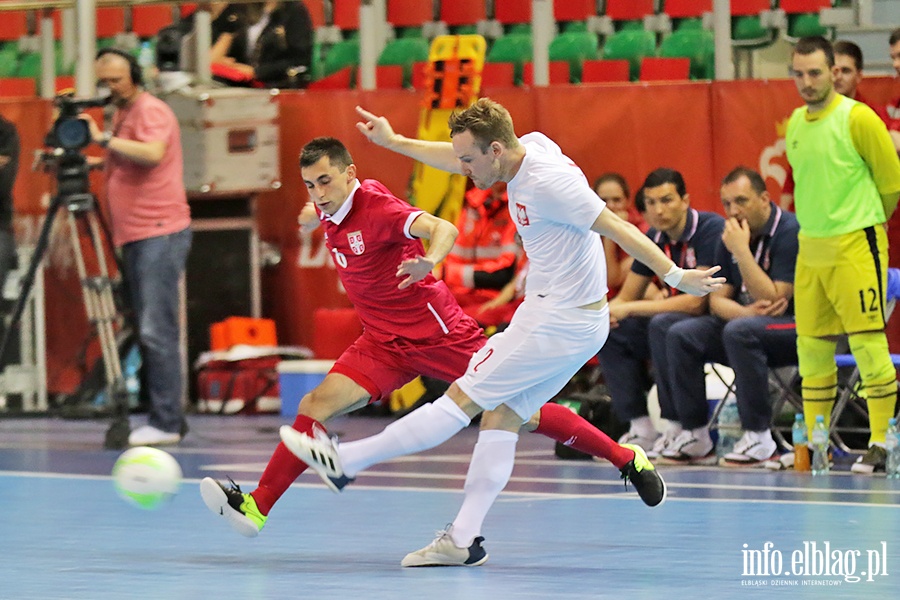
(146, 477)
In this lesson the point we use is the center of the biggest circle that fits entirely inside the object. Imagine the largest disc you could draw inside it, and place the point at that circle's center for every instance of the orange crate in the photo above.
(242, 330)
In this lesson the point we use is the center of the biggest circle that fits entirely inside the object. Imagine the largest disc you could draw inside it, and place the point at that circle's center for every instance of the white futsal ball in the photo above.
(146, 477)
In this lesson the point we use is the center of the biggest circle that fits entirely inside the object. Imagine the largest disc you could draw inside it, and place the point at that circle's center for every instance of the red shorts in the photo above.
(380, 368)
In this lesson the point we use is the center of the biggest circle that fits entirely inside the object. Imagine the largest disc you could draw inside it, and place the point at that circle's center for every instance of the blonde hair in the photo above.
(487, 121)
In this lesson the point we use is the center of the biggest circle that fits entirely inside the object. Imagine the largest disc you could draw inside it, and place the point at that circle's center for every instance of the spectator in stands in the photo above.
(483, 258)
(614, 190)
(848, 184)
(848, 73)
(750, 326)
(893, 108)
(9, 167)
(689, 238)
(264, 43)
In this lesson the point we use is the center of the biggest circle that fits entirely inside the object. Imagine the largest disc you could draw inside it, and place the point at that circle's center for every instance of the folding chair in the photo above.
(849, 396)
(850, 404)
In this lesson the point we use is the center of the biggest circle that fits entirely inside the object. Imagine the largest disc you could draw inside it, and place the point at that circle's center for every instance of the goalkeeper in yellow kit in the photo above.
(847, 176)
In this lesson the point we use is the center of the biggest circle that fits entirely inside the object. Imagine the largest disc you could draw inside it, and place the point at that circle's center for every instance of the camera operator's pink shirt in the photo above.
(146, 201)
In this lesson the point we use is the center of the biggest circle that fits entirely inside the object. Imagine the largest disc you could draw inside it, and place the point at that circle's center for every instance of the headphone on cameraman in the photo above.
(134, 68)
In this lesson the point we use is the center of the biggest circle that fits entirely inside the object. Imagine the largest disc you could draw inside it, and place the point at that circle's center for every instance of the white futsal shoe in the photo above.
(319, 452)
(443, 552)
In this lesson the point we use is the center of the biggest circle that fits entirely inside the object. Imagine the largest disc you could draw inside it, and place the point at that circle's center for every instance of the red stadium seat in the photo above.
(345, 14)
(409, 13)
(389, 77)
(559, 72)
(419, 75)
(463, 12)
(574, 10)
(12, 26)
(316, 10)
(629, 10)
(793, 7)
(497, 74)
(339, 80)
(146, 21)
(110, 22)
(20, 87)
(686, 9)
(745, 8)
(605, 71)
(65, 82)
(665, 69)
(510, 12)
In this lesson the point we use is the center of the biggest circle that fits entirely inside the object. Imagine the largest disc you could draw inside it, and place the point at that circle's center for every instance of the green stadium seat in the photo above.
(340, 55)
(696, 44)
(803, 17)
(631, 45)
(9, 59)
(404, 52)
(29, 65)
(574, 47)
(515, 48)
(806, 25)
(747, 30)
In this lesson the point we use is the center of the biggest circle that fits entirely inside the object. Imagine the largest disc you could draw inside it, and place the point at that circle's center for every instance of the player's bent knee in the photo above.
(503, 418)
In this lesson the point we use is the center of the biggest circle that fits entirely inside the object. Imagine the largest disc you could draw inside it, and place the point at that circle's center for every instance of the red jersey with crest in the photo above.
(368, 238)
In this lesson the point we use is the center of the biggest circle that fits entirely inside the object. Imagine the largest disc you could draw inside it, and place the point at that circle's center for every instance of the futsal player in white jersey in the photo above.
(562, 323)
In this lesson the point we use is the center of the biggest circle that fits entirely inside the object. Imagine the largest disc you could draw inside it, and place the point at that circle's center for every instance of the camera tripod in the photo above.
(97, 291)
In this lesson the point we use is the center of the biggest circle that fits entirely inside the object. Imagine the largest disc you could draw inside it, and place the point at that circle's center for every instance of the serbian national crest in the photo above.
(522, 215)
(356, 242)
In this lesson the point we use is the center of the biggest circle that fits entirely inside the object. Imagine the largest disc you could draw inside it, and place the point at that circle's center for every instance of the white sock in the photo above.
(489, 471)
(423, 428)
(643, 426)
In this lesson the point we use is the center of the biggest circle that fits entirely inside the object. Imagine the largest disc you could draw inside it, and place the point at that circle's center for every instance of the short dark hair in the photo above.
(616, 178)
(845, 48)
(756, 181)
(331, 147)
(639, 202)
(664, 175)
(895, 37)
(812, 44)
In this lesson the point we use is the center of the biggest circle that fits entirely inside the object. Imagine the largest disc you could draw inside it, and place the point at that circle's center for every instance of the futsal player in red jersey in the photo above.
(412, 324)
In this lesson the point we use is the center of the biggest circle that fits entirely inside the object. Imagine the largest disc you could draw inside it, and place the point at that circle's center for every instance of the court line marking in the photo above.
(505, 496)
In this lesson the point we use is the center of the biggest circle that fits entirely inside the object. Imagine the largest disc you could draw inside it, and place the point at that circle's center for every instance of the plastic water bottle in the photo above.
(800, 441)
(147, 61)
(820, 464)
(729, 428)
(892, 445)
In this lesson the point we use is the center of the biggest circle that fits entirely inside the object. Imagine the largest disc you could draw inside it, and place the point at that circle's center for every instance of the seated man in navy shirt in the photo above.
(750, 326)
(638, 326)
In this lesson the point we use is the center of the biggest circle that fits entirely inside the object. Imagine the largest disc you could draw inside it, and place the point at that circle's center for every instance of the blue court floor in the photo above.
(562, 529)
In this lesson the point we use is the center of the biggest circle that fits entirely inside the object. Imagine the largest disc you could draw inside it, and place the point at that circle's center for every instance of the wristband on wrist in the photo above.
(104, 141)
(673, 276)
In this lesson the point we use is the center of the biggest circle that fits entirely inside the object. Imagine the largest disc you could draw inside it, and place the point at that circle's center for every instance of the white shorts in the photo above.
(526, 365)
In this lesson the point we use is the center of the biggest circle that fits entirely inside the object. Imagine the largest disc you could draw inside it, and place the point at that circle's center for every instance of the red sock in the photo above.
(283, 469)
(561, 424)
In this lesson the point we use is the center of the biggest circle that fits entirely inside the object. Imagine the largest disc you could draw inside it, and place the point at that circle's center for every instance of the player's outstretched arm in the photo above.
(638, 245)
(378, 130)
(441, 235)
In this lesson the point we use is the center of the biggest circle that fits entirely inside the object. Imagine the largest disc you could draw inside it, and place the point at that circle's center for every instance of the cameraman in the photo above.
(9, 167)
(151, 226)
